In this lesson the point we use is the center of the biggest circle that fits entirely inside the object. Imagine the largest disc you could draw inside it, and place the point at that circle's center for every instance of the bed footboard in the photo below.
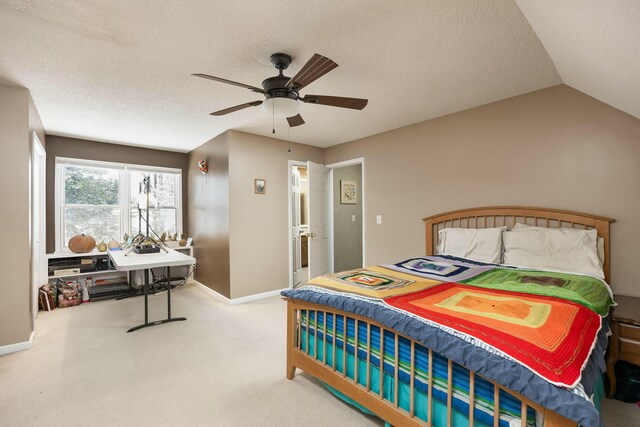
(348, 360)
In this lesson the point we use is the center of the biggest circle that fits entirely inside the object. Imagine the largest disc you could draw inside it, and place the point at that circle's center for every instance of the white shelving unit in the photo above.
(112, 273)
(92, 254)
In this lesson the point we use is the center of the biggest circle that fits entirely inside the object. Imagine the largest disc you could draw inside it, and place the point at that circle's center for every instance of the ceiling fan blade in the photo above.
(231, 82)
(295, 120)
(336, 101)
(235, 108)
(315, 68)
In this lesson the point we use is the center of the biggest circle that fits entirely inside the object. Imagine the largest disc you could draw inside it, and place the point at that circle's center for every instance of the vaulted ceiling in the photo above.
(119, 71)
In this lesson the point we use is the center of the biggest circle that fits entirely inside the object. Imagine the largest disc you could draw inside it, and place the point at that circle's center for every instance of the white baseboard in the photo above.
(12, 348)
(241, 300)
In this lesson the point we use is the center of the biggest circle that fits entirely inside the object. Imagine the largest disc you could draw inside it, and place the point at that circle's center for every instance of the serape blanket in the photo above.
(523, 326)
(333, 331)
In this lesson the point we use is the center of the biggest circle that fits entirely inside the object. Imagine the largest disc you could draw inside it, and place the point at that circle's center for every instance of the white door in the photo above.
(319, 248)
(38, 260)
(296, 229)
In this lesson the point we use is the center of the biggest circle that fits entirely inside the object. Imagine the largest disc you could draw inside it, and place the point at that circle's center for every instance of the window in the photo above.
(107, 200)
(163, 202)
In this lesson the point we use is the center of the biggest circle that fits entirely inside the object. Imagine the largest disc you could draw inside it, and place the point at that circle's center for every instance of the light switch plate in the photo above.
(353, 218)
(378, 219)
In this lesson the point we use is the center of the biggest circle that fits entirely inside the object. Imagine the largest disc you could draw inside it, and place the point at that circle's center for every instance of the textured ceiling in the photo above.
(118, 71)
(595, 46)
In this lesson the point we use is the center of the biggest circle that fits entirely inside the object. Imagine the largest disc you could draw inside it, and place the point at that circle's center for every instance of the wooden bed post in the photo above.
(291, 332)
(603, 229)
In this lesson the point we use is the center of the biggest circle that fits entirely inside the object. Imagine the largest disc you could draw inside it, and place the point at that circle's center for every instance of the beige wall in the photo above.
(209, 213)
(58, 146)
(15, 257)
(556, 148)
(347, 234)
(259, 223)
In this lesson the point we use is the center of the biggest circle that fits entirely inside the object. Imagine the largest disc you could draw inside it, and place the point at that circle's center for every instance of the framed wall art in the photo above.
(348, 192)
(260, 186)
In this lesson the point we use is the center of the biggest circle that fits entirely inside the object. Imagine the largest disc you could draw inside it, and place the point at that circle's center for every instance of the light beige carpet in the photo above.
(224, 366)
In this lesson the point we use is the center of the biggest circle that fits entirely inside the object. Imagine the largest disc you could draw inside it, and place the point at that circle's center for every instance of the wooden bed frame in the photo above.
(299, 357)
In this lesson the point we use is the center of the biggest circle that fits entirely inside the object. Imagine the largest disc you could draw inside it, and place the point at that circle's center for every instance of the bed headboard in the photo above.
(498, 216)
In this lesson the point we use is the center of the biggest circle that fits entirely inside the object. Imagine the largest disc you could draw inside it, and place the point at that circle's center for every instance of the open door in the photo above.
(38, 258)
(299, 274)
(319, 248)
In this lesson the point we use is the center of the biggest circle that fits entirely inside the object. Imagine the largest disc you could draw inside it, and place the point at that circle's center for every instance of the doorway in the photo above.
(347, 214)
(299, 223)
(325, 233)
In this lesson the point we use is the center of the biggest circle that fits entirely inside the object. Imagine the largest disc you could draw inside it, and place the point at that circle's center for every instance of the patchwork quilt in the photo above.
(545, 321)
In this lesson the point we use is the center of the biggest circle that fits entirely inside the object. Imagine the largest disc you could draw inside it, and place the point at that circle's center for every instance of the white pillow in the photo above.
(561, 249)
(478, 244)
(599, 245)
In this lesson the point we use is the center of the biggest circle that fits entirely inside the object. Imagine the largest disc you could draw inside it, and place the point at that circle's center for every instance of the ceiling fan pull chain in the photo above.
(273, 116)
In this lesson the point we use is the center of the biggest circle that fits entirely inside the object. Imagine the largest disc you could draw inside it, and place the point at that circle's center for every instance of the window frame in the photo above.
(124, 193)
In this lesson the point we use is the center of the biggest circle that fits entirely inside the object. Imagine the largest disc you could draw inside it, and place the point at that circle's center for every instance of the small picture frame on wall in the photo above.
(260, 186)
(348, 192)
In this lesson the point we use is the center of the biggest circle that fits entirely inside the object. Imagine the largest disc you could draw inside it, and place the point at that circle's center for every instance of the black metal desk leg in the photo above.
(146, 304)
(146, 296)
(169, 292)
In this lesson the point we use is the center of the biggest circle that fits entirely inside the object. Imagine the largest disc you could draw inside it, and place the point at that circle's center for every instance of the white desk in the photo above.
(124, 261)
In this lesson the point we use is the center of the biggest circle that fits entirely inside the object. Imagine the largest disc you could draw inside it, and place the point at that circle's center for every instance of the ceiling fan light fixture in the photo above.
(284, 107)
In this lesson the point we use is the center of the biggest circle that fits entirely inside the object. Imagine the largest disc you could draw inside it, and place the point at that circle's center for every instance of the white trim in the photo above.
(116, 165)
(37, 220)
(332, 267)
(124, 196)
(359, 160)
(241, 300)
(20, 346)
(344, 163)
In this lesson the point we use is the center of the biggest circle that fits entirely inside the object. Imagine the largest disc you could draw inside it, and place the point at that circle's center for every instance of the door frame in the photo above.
(356, 161)
(37, 219)
(290, 165)
(332, 166)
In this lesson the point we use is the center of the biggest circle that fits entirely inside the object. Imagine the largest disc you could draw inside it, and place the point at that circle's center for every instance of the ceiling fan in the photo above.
(286, 88)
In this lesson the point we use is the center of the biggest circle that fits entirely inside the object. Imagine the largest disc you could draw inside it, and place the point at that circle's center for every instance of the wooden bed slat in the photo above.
(344, 346)
(306, 346)
(430, 390)
(449, 390)
(396, 370)
(315, 334)
(496, 406)
(335, 341)
(381, 363)
(412, 379)
(355, 355)
(472, 394)
(324, 334)
(368, 356)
